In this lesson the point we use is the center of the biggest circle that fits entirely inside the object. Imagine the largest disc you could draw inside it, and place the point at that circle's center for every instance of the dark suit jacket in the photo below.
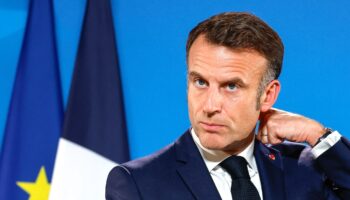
(287, 171)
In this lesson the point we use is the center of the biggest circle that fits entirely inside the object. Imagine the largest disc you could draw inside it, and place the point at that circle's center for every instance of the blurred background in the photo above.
(151, 37)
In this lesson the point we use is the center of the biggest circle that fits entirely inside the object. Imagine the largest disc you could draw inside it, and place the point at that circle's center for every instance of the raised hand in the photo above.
(278, 125)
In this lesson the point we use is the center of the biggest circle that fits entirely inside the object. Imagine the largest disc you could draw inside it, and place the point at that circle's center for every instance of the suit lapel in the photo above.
(196, 177)
(193, 170)
(269, 162)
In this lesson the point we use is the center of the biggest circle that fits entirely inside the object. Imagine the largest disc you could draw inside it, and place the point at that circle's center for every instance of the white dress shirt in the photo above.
(325, 144)
(222, 179)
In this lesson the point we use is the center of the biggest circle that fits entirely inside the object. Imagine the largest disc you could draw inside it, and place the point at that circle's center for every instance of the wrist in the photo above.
(316, 133)
(327, 132)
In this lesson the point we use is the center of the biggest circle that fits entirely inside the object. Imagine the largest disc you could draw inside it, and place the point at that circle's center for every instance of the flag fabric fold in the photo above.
(35, 114)
(94, 137)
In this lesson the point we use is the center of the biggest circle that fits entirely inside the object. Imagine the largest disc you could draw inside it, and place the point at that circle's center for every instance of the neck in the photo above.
(239, 146)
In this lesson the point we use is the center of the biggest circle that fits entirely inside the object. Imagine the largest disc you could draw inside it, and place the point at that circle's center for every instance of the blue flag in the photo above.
(94, 137)
(35, 113)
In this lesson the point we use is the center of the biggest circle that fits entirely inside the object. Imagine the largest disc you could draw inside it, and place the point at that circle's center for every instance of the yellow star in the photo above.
(38, 190)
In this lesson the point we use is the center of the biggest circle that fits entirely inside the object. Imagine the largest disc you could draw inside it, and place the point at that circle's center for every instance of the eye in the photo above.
(200, 83)
(231, 87)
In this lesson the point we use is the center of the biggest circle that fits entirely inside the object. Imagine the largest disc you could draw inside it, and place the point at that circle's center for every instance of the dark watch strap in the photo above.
(328, 132)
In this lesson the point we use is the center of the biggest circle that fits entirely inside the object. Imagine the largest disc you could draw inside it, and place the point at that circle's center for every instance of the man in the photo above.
(234, 60)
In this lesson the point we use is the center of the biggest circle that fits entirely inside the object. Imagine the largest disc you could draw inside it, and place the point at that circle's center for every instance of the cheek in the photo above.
(194, 100)
(250, 117)
(242, 111)
(192, 104)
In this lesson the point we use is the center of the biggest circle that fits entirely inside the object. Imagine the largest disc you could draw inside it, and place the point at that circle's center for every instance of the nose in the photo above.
(213, 103)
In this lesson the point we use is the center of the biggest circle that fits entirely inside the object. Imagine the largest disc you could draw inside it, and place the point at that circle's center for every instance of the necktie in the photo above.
(242, 188)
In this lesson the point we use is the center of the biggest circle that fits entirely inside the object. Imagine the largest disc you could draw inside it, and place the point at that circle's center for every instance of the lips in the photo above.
(211, 127)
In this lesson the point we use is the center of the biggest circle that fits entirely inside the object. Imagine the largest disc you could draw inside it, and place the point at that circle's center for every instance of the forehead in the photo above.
(208, 58)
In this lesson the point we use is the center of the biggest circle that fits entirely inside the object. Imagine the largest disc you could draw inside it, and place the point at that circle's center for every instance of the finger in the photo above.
(260, 128)
(264, 138)
(273, 139)
(258, 135)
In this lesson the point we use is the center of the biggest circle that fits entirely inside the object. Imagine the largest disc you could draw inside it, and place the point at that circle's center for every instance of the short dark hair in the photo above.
(242, 31)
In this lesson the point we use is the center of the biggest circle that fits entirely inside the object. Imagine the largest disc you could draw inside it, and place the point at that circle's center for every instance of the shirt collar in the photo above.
(213, 158)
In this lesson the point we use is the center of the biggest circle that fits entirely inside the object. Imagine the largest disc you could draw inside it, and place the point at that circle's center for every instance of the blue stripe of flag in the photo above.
(95, 112)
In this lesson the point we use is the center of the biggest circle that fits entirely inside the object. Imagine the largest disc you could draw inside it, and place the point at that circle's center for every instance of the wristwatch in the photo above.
(328, 131)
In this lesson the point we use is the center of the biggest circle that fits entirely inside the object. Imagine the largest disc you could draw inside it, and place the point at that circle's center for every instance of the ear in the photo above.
(269, 96)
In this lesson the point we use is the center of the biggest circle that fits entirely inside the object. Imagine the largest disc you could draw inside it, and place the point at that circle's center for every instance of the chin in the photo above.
(222, 143)
(213, 141)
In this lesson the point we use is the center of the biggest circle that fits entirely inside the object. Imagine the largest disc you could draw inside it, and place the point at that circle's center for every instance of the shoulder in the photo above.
(147, 175)
(165, 159)
(154, 165)
(160, 166)
(153, 161)
(128, 180)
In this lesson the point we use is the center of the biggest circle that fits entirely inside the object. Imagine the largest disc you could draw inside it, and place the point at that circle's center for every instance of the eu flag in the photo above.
(35, 113)
(94, 137)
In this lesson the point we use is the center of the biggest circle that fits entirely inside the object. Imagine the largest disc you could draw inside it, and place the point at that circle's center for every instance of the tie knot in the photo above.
(236, 166)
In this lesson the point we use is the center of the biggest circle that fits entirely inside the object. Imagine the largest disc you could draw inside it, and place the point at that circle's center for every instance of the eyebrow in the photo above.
(234, 80)
(237, 81)
(194, 74)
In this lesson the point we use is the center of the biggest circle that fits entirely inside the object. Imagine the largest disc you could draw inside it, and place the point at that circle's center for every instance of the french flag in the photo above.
(94, 137)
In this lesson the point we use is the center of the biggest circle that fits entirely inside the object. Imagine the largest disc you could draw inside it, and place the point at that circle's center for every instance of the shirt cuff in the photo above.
(326, 144)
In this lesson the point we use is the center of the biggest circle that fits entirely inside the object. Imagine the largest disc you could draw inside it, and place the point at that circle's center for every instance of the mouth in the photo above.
(211, 127)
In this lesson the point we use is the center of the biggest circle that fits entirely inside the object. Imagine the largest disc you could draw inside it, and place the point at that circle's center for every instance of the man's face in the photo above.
(222, 95)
